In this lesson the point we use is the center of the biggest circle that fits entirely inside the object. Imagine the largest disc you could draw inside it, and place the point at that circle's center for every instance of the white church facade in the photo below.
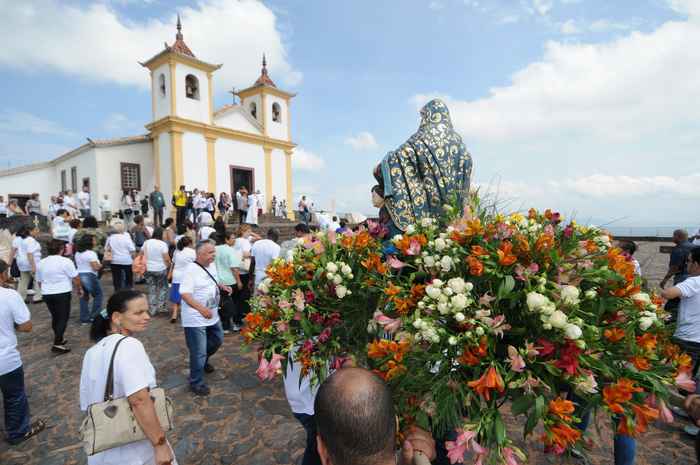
(189, 142)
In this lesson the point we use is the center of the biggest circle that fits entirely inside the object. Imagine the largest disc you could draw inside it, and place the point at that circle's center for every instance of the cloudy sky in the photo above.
(586, 106)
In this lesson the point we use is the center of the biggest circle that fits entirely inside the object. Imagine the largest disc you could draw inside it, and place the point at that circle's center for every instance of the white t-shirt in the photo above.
(205, 218)
(133, 371)
(84, 200)
(83, 260)
(205, 232)
(688, 326)
(69, 201)
(264, 252)
(182, 258)
(300, 396)
(55, 273)
(204, 290)
(106, 205)
(244, 246)
(17, 244)
(3, 208)
(155, 249)
(13, 312)
(122, 246)
(29, 245)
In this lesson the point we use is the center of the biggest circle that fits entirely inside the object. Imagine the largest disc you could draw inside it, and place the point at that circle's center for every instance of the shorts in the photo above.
(175, 296)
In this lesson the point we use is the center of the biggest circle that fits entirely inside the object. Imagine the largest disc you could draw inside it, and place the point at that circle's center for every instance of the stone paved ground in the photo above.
(242, 421)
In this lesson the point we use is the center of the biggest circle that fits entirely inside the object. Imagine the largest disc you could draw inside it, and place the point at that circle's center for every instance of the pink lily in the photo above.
(395, 262)
(498, 325)
(413, 248)
(390, 325)
(457, 448)
(481, 453)
(665, 414)
(685, 382)
(509, 456)
(517, 364)
(267, 370)
(284, 304)
(331, 237)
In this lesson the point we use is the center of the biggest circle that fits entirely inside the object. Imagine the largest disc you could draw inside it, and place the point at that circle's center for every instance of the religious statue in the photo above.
(431, 169)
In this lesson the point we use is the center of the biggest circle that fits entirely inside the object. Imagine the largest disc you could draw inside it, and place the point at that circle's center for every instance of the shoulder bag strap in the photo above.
(109, 388)
(207, 271)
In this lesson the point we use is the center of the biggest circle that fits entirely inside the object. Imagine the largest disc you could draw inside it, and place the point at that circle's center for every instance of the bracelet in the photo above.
(160, 442)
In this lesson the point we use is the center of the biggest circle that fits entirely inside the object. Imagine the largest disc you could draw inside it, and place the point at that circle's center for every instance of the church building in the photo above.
(189, 142)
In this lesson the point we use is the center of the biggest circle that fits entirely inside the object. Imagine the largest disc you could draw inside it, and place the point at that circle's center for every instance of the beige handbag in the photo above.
(112, 423)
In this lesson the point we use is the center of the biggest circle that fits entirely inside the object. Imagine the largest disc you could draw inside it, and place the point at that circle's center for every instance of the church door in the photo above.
(242, 177)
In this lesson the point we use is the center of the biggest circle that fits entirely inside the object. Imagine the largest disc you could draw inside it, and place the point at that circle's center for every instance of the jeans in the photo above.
(241, 216)
(122, 277)
(59, 307)
(16, 405)
(91, 287)
(84, 212)
(624, 446)
(157, 287)
(202, 342)
(311, 456)
(158, 216)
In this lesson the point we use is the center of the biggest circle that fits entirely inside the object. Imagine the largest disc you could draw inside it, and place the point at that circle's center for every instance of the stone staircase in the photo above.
(267, 221)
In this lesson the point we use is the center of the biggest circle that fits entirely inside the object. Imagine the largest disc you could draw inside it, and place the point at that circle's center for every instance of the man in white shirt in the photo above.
(106, 209)
(14, 316)
(201, 293)
(242, 204)
(70, 204)
(84, 202)
(263, 252)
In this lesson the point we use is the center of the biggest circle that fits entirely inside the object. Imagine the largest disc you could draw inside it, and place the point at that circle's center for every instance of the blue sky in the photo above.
(585, 106)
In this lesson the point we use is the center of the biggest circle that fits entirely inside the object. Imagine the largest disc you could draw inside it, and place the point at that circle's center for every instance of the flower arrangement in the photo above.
(462, 314)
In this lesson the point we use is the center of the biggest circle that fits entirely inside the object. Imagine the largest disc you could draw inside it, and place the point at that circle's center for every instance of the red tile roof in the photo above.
(180, 46)
(264, 79)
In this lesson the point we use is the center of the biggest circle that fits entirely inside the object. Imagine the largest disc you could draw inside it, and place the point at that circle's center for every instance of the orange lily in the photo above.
(561, 408)
(614, 334)
(491, 380)
(505, 255)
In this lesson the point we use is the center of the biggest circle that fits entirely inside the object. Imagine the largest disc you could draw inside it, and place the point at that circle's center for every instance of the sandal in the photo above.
(35, 428)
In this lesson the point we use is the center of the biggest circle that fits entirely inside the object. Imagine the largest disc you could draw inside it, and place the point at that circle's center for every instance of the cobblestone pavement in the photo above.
(242, 422)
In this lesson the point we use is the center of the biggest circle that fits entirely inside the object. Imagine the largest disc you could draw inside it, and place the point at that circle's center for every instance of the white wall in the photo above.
(274, 129)
(162, 101)
(197, 110)
(109, 161)
(42, 181)
(233, 119)
(86, 167)
(194, 161)
(166, 176)
(279, 176)
(257, 99)
(231, 152)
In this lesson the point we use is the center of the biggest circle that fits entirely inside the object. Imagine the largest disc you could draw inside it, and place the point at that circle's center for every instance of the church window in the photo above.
(276, 113)
(253, 110)
(161, 85)
(74, 179)
(64, 183)
(191, 87)
(131, 176)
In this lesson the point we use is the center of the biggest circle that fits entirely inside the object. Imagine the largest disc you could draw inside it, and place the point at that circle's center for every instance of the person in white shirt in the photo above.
(260, 202)
(264, 252)
(88, 265)
(205, 218)
(114, 331)
(252, 214)
(200, 290)
(205, 229)
(70, 203)
(14, 316)
(3, 207)
(28, 257)
(243, 244)
(228, 262)
(106, 209)
(84, 202)
(197, 202)
(183, 256)
(57, 276)
(242, 204)
(157, 263)
(335, 225)
(123, 251)
(687, 334)
(60, 225)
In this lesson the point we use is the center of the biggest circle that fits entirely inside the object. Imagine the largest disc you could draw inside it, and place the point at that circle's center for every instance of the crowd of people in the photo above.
(201, 273)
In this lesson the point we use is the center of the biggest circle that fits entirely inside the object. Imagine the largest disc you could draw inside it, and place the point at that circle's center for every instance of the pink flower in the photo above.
(281, 326)
(413, 247)
(665, 414)
(284, 304)
(517, 364)
(395, 262)
(299, 299)
(457, 448)
(267, 370)
(331, 237)
(481, 453)
(568, 231)
(685, 382)
(324, 336)
(533, 268)
(509, 456)
(390, 325)
(497, 325)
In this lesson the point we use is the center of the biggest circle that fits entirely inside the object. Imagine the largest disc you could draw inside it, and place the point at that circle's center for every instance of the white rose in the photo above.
(433, 292)
(645, 323)
(330, 276)
(558, 319)
(346, 270)
(337, 279)
(535, 301)
(341, 291)
(642, 297)
(590, 294)
(572, 332)
(262, 287)
(447, 291)
(440, 244)
(426, 222)
(468, 287)
(446, 263)
(417, 323)
(443, 298)
(452, 341)
(479, 331)
(548, 308)
(371, 326)
(410, 229)
(547, 326)
(443, 308)
(569, 295)
(459, 301)
(457, 285)
(332, 267)
(397, 238)
(459, 317)
(438, 283)
(429, 261)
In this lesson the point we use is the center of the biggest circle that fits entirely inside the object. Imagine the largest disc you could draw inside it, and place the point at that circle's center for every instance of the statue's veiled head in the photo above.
(435, 113)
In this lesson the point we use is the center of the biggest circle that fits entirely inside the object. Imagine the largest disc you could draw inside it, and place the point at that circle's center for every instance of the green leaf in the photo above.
(532, 420)
(500, 430)
(539, 406)
(522, 405)
(422, 420)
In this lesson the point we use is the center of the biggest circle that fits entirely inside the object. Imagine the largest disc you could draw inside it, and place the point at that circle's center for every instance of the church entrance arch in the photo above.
(242, 177)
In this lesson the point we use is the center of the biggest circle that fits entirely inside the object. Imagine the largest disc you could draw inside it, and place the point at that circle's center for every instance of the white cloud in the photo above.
(509, 19)
(607, 186)
(686, 7)
(23, 122)
(304, 160)
(45, 34)
(603, 25)
(119, 122)
(569, 27)
(543, 7)
(436, 5)
(363, 141)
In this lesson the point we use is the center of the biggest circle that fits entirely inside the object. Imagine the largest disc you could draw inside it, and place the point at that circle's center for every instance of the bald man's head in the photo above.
(355, 418)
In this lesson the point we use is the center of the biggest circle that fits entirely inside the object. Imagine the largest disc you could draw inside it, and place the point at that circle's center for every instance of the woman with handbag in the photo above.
(121, 358)
(120, 250)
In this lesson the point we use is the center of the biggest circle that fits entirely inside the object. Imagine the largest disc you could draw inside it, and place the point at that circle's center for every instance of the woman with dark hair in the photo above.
(113, 330)
(28, 257)
(127, 210)
(88, 265)
(169, 232)
(184, 255)
(139, 232)
(57, 276)
(630, 247)
(90, 227)
(155, 250)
